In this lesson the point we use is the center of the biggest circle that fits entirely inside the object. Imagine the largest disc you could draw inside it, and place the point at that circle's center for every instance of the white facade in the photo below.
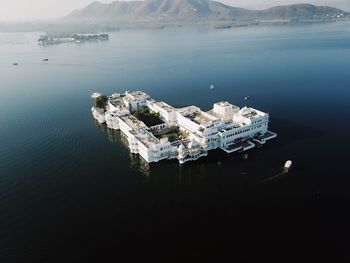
(225, 126)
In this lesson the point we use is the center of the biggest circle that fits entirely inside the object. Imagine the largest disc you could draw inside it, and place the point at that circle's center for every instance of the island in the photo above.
(75, 38)
(157, 131)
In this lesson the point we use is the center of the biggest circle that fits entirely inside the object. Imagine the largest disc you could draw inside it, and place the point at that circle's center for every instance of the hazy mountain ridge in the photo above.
(187, 10)
(99, 17)
(302, 11)
(181, 9)
(261, 5)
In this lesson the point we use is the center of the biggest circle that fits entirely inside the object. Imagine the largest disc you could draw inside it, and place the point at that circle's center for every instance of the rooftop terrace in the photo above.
(117, 102)
(133, 123)
(251, 113)
(165, 106)
(135, 96)
(146, 137)
(223, 104)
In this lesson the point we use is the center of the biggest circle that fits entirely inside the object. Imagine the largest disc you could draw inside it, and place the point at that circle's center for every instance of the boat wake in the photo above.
(273, 177)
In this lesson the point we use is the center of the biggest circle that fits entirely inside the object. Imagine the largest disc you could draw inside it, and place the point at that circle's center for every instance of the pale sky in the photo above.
(43, 9)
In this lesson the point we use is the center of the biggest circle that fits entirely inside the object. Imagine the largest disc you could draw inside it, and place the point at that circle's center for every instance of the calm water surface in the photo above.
(70, 189)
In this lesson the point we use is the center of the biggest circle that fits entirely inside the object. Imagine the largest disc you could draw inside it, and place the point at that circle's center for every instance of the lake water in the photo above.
(71, 190)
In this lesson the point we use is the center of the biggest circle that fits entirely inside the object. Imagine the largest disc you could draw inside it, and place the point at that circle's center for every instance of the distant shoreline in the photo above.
(76, 28)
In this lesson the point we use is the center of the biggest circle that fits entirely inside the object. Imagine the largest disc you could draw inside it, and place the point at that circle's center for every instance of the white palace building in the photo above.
(226, 126)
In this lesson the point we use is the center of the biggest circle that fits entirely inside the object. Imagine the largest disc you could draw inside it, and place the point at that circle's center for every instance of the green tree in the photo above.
(101, 102)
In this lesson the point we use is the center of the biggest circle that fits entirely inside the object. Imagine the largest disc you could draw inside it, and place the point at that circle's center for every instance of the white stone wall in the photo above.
(112, 121)
(99, 115)
(187, 123)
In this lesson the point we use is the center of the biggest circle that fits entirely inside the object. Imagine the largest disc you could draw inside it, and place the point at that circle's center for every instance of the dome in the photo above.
(182, 148)
(193, 144)
(244, 110)
(182, 151)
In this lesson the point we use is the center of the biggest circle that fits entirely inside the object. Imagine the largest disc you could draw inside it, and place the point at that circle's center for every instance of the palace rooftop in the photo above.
(196, 132)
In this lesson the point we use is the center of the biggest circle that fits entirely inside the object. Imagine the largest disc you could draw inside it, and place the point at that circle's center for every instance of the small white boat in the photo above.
(212, 87)
(288, 165)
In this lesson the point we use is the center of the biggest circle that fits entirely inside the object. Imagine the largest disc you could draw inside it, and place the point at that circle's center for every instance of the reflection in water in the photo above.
(113, 135)
(216, 164)
(181, 174)
(137, 163)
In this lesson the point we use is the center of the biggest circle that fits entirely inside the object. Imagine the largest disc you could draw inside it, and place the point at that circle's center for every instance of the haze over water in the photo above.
(70, 188)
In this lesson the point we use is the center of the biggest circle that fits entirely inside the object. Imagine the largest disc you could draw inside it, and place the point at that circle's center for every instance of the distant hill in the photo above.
(160, 9)
(302, 12)
(200, 10)
(264, 4)
(99, 17)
